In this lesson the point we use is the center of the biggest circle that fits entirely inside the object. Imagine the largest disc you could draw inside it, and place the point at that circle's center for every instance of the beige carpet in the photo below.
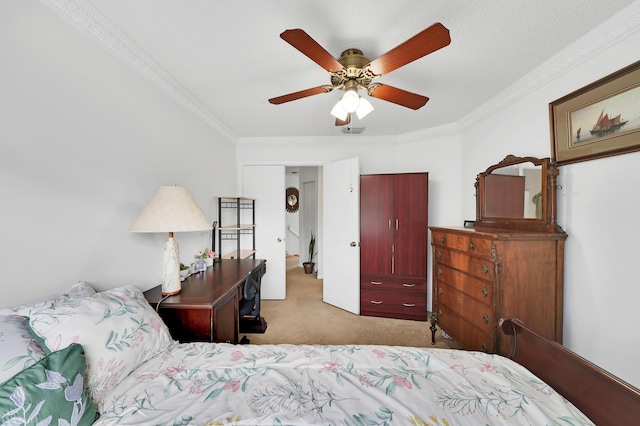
(304, 318)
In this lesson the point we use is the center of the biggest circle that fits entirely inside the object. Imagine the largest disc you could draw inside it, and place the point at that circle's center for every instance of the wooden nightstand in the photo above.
(206, 310)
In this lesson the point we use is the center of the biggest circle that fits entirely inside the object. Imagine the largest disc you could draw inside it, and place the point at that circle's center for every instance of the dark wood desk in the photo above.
(206, 310)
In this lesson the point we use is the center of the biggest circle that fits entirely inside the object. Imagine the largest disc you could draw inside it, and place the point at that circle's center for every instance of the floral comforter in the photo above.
(218, 384)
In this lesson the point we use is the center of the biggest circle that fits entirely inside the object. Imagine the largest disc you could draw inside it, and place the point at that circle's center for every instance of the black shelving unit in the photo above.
(242, 209)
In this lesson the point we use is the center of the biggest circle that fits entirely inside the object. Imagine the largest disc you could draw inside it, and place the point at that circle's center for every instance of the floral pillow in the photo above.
(79, 289)
(18, 349)
(117, 328)
(51, 391)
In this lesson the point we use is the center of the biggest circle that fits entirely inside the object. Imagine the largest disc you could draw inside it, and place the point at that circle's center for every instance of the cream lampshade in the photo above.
(172, 209)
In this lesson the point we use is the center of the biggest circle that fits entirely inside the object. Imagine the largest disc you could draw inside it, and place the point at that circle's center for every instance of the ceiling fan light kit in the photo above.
(350, 100)
(353, 71)
(339, 112)
(364, 108)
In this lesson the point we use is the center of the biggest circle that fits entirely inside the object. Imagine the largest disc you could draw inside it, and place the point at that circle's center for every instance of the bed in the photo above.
(106, 358)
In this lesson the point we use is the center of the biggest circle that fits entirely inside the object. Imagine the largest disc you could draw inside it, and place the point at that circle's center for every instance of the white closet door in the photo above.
(267, 185)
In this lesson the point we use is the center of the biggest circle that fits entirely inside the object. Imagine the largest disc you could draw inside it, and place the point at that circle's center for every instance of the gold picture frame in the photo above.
(599, 120)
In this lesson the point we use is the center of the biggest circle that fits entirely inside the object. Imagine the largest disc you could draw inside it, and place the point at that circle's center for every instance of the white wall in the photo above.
(440, 156)
(85, 142)
(597, 206)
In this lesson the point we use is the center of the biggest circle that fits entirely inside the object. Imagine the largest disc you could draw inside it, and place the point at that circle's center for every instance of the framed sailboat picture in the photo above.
(598, 120)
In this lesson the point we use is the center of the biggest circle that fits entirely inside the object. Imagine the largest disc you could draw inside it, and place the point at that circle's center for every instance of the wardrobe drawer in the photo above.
(401, 305)
(480, 315)
(479, 266)
(468, 243)
(392, 284)
(464, 333)
(478, 289)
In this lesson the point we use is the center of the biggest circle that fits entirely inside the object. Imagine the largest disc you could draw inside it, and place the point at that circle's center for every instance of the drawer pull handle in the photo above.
(471, 246)
(485, 269)
(485, 293)
(485, 319)
(439, 312)
(376, 282)
(409, 305)
(440, 290)
(376, 302)
(439, 271)
(438, 253)
(408, 285)
(485, 347)
(442, 240)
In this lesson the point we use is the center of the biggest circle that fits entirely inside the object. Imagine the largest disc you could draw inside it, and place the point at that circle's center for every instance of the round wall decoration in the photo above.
(292, 201)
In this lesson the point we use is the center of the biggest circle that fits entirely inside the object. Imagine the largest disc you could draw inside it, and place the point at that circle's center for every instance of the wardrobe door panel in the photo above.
(411, 194)
(376, 212)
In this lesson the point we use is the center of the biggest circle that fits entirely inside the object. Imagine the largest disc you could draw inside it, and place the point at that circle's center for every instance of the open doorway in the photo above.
(304, 221)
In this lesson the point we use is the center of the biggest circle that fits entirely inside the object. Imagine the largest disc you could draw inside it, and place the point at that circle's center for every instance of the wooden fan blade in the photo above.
(309, 47)
(429, 40)
(397, 96)
(301, 94)
(343, 122)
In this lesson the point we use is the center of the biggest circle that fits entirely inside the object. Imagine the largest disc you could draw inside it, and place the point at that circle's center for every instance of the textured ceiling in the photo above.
(226, 57)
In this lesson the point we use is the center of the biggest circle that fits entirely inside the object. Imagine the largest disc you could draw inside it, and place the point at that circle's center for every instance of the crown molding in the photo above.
(430, 133)
(357, 140)
(92, 22)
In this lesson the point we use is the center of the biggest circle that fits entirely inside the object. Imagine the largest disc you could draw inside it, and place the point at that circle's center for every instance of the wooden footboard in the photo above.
(601, 396)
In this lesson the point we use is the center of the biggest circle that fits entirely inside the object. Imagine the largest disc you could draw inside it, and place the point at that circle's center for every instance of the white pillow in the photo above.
(118, 329)
(18, 349)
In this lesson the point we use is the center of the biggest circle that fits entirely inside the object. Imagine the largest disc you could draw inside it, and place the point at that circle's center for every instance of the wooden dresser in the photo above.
(394, 245)
(510, 263)
(482, 276)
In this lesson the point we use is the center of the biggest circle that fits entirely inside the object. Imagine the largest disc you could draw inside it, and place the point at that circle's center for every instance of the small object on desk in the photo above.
(201, 265)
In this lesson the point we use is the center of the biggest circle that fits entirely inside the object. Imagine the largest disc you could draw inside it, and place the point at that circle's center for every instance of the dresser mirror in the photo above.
(517, 193)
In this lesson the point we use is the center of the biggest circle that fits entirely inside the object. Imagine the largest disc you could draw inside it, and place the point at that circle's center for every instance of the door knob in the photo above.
(353, 244)
(279, 240)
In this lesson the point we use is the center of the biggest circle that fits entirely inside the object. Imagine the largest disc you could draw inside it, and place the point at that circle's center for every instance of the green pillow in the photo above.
(51, 391)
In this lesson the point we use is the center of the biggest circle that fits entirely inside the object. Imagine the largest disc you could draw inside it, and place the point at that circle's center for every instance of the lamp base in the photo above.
(171, 273)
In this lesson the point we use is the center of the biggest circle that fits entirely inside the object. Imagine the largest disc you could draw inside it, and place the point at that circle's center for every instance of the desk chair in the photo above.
(250, 303)
(249, 306)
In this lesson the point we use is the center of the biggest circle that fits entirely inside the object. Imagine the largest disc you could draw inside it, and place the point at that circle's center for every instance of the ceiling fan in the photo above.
(353, 71)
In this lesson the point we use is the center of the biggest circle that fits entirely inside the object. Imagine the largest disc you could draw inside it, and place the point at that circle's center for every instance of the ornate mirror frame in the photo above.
(545, 220)
(292, 200)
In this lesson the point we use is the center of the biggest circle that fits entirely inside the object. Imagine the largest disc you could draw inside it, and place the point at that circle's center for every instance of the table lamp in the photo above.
(172, 209)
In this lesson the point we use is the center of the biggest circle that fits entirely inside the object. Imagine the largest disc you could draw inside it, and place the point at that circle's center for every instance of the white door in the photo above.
(267, 185)
(341, 234)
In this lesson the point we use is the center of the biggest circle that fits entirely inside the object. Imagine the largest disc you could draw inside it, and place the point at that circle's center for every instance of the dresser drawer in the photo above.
(475, 288)
(468, 243)
(478, 266)
(477, 313)
(368, 282)
(465, 333)
(402, 305)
